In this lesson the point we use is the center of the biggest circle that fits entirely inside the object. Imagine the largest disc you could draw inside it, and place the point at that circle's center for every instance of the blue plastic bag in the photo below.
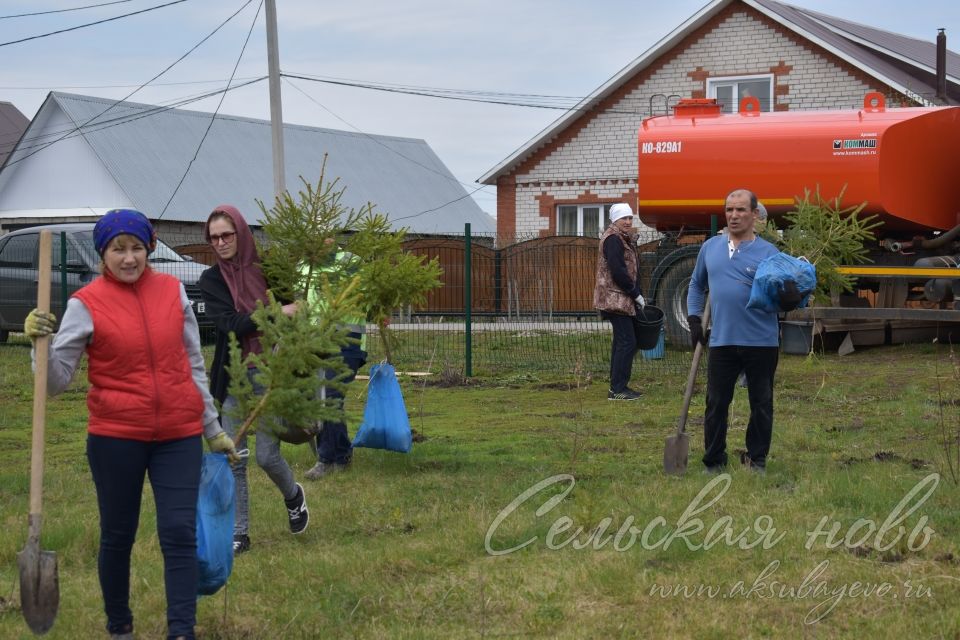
(385, 422)
(215, 514)
(772, 273)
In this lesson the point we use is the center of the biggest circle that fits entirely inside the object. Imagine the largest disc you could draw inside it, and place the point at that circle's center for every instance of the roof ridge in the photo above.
(222, 116)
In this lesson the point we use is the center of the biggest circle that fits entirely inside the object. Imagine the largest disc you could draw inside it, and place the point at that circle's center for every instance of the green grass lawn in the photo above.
(400, 545)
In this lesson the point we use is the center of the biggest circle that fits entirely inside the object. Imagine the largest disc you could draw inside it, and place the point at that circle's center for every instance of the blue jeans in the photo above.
(173, 466)
(333, 443)
(268, 456)
(723, 369)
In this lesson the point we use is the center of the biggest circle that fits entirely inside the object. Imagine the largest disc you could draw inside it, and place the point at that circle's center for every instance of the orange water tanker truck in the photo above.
(904, 163)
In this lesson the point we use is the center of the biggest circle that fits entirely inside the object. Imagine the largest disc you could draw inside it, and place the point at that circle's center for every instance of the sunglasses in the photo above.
(226, 238)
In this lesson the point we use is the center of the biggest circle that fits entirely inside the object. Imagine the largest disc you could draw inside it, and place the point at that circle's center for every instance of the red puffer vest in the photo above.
(141, 386)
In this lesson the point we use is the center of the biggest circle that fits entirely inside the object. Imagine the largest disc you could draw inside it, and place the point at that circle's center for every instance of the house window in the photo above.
(731, 90)
(582, 219)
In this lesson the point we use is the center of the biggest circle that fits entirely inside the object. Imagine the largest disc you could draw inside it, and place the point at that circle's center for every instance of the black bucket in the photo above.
(649, 322)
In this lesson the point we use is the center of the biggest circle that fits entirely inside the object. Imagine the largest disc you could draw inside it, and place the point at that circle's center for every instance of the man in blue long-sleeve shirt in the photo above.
(617, 295)
(741, 339)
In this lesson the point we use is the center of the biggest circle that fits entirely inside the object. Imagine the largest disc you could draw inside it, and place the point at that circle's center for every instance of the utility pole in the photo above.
(276, 110)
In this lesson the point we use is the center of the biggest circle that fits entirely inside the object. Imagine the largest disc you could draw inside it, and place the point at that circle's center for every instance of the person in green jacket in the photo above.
(333, 445)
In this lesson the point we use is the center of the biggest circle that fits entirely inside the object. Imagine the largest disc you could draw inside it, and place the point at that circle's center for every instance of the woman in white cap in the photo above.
(617, 295)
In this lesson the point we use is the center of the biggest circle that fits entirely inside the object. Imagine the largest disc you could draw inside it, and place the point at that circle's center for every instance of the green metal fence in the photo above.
(523, 306)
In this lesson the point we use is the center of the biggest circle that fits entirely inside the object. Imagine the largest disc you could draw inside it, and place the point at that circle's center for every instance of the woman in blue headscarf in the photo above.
(148, 404)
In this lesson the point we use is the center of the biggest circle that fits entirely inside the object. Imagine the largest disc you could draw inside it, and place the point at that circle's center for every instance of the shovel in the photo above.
(39, 583)
(678, 445)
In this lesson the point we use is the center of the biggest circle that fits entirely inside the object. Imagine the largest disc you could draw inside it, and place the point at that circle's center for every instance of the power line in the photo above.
(114, 86)
(431, 169)
(146, 113)
(535, 101)
(466, 96)
(159, 107)
(89, 24)
(374, 139)
(132, 93)
(445, 204)
(216, 111)
(441, 90)
(44, 13)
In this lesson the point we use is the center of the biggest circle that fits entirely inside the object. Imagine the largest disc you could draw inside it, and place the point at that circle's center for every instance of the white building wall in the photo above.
(70, 177)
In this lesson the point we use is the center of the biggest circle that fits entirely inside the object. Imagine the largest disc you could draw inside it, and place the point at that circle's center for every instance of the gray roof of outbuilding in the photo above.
(12, 125)
(147, 150)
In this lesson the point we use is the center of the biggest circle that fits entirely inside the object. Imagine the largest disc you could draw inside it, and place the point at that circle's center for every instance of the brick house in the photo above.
(564, 180)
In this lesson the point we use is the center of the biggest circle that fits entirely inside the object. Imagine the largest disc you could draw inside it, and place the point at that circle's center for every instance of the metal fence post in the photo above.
(497, 283)
(63, 273)
(467, 302)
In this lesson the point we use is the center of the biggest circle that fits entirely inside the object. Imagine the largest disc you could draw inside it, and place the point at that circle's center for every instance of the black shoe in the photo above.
(626, 394)
(322, 469)
(297, 512)
(755, 467)
(715, 470)
(241, 543)
(125, 634)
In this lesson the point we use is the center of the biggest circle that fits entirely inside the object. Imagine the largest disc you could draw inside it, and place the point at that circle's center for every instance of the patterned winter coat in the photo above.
(607, 295)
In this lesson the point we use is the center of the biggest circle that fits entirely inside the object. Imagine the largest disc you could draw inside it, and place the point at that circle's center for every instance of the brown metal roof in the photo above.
(12, 125)
(902, 60)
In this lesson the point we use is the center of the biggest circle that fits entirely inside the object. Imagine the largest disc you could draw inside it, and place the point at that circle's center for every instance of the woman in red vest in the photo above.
(148, 405)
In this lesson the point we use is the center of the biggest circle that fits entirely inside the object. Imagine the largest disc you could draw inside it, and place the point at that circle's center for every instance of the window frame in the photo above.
(713, 83)
(604, 217)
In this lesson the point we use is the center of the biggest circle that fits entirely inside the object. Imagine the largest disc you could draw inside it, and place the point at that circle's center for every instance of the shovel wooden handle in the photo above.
(692, 376)
(42, 353)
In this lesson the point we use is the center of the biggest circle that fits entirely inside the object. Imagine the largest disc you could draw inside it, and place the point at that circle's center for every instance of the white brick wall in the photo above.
(606, 148)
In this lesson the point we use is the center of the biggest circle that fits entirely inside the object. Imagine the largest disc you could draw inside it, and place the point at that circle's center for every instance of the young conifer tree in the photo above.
(300, 263)
(390, 278)
(828, 235)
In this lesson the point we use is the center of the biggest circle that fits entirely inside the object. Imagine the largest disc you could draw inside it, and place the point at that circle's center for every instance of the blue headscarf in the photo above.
(119, 221)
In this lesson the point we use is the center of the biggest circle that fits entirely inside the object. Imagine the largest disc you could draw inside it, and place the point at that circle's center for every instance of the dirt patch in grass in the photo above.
(856, 424)
(891, 556)
(554, 386)
(885, 456)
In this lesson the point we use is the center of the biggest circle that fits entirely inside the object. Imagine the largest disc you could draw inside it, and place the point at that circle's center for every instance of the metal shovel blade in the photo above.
(39, 586)
(678, 445)
(675, 454)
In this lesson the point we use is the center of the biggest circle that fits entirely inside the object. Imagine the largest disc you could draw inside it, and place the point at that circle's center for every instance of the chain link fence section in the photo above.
(531, 306)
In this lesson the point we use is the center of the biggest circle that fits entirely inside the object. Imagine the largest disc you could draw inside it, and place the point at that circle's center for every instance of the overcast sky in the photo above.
(556, 48)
